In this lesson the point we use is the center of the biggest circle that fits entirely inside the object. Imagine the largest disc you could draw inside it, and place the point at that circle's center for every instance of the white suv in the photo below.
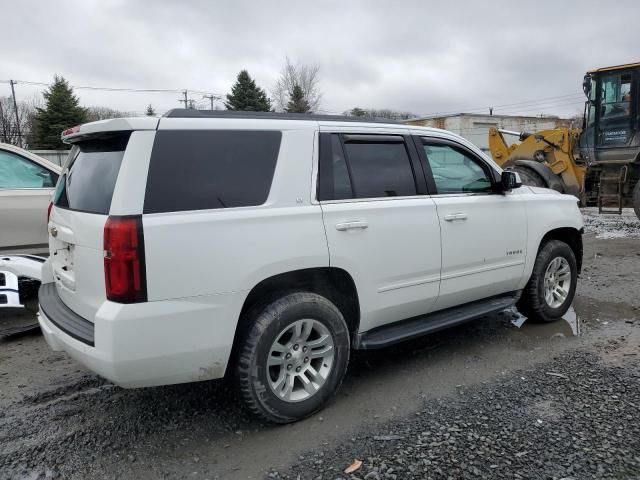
(267, 246)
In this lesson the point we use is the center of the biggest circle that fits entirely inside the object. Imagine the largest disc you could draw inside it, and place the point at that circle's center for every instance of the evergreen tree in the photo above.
(62, 110)
(247, 96)
(150, 111)
(297, 102)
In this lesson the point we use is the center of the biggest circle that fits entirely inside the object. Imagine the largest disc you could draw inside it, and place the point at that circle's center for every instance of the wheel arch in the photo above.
(335, 284)
(569, 235)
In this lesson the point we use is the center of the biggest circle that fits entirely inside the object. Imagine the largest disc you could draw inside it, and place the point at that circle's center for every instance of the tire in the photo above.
(277, 330)
(537, 306)
(636, 199)
(530, 177)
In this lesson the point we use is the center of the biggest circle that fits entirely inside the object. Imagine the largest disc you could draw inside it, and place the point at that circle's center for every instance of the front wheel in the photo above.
(293, 357)
(552, 286)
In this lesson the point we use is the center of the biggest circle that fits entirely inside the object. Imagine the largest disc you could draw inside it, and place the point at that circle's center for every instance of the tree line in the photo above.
(39, 122)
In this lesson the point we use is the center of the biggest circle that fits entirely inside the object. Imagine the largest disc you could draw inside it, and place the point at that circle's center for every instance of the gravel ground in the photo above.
(626, 225)
(573, 418)
(460, 392)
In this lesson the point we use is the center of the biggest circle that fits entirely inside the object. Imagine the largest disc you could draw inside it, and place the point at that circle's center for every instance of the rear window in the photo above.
(88, 183)
(208, 169)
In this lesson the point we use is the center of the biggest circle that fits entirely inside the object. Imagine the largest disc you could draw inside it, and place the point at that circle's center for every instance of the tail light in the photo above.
(49, 211)
(124, 266)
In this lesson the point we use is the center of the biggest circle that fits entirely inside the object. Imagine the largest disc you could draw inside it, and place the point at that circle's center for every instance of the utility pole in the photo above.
(5, 138)
(211, 99)
(15, 108)
(185, 100)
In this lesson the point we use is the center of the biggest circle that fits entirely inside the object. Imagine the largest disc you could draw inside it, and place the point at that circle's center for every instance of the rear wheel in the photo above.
(551, 288)
(293, 357)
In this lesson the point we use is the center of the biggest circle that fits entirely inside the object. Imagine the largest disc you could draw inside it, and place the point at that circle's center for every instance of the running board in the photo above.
(417, 326)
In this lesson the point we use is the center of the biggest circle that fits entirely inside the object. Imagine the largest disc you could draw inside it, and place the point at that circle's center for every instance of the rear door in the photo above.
(381, 225)
(484, 233)
(25, 190)
(82, 202)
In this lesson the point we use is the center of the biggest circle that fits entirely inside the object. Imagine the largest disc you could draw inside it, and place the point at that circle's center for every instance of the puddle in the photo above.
(585, 313)
(569, 326)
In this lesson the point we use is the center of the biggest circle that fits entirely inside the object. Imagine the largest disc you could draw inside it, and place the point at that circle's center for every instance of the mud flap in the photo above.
(19, 279)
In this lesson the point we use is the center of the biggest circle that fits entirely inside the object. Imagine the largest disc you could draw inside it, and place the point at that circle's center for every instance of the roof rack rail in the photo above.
(192, 113)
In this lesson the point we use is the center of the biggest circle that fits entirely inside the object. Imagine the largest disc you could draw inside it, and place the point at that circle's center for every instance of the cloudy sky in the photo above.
(419, 56)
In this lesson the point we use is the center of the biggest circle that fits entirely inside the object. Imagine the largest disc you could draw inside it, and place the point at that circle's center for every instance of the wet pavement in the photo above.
(58, 419)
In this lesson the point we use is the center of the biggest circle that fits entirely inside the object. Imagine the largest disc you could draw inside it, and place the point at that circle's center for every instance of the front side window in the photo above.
(456, 172)
(19, 172)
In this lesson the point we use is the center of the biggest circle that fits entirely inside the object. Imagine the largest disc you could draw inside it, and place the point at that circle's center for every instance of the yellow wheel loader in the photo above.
(600, 163)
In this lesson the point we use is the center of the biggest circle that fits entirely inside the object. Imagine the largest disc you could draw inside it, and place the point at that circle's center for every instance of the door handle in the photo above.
(455, 216)
(351, 226)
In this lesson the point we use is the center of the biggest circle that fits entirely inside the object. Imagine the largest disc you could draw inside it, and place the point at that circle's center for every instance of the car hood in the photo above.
(541, 190)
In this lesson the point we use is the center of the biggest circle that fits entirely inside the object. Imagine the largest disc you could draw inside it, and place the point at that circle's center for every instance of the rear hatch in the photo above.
(82, 201)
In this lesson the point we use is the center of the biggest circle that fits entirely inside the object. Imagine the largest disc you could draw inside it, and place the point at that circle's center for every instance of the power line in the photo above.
(504, 106)
(116, 89)
(504, 109)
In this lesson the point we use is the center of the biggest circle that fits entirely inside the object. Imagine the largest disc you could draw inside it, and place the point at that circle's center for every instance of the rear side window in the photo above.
(207, 169)
(334, 180)
(89, 181)
(380, 169)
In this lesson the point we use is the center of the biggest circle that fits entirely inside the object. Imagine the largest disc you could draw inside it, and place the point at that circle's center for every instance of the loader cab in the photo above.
(611, 113)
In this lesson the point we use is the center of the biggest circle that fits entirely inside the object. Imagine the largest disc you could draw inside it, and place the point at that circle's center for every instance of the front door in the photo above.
(381, 226)
(25, 191)
(483, 232)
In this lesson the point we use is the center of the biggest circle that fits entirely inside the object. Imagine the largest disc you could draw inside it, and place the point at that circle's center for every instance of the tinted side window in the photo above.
(205, 169)
(455, 172)
(380, 169)
(19, 172)
(334, 181)
(88, 183)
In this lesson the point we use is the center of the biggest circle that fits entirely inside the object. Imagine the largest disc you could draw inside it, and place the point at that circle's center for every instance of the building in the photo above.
(475, 127)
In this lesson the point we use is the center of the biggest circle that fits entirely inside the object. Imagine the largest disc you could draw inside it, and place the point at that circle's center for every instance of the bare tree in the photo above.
(9, 131)
(104, 113)
(384, 113)
(306, 76)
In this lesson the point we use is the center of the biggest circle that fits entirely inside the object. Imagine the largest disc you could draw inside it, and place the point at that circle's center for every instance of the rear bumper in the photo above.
(63, 317)
(152, 343)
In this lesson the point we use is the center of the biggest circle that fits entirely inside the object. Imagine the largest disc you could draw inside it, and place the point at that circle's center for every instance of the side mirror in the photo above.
(510, 180)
